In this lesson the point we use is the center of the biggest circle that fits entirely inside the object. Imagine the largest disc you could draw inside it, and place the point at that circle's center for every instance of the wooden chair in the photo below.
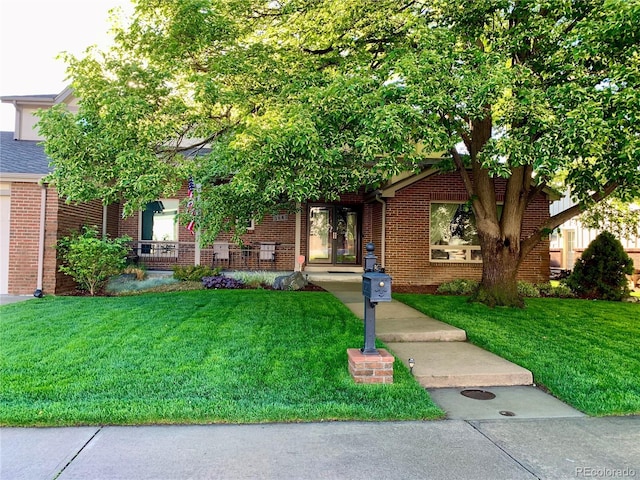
(220, 254)
(267, 253)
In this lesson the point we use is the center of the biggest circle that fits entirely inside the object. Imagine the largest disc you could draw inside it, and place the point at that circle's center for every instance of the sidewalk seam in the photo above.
(502, 449)
(78, 452)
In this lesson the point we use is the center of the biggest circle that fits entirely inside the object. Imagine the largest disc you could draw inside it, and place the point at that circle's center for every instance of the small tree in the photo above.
(91, 260)
(600, 271)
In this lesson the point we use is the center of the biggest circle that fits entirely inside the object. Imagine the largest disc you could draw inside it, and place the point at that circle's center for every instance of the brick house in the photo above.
(423, 231)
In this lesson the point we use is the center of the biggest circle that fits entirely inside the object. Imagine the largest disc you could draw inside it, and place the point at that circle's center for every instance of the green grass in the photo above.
(191, 357)
(587, 353)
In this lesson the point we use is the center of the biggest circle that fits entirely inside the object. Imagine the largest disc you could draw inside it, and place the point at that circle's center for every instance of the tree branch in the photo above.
(553, 222)
(466, 179)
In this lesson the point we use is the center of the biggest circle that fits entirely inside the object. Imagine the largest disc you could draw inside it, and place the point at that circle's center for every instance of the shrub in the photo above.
(601, 270)
(220, 281)
(257, 278)
(458, 287)
(139, 272)
(194, 273)
(91, 260)
(559, 291)
(526, 289)
(134, 286)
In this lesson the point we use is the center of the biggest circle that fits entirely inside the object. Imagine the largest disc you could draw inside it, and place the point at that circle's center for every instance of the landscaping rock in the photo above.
(294, 281)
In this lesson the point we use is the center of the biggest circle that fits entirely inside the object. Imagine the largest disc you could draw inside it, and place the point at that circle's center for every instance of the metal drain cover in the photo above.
(478, 394)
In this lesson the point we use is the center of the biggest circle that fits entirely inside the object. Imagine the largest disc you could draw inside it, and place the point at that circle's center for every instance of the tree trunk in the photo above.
(499, 286)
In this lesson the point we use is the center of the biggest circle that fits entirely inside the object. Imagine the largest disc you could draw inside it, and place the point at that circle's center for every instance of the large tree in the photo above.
(304, 99)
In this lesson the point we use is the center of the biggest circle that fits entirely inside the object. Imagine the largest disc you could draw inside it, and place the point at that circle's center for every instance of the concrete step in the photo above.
(458, 364)
(408, 325)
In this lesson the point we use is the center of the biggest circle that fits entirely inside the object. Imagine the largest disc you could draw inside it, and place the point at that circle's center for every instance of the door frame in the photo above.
(333, 208)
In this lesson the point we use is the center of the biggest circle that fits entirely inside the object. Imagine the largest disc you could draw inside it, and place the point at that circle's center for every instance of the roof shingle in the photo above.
(22, 156)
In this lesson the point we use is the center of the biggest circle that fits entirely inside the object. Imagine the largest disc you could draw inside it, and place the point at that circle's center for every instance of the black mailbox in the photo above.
(376, 286)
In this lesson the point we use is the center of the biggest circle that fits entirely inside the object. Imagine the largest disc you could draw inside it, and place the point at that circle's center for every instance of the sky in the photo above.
(34, 32)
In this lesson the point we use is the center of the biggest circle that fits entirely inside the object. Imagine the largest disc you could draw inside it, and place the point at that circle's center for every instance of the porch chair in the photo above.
(220, 254)
(267, 253)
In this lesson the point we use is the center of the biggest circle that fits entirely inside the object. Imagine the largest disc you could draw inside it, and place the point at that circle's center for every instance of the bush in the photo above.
(194, 273)
(526, 289)
(559, 291)
(139, 272)
(256, 279)
(220, 281)
(601, 270)
(91, 260)
(458, 287)
(121, 287)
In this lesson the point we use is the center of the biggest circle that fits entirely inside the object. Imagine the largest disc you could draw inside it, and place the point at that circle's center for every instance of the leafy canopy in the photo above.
(299, 100)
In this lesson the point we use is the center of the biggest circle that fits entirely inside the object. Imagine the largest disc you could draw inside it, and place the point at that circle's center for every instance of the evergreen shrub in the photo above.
(600, 273)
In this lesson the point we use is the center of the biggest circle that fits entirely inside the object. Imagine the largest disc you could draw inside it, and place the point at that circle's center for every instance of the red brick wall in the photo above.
(60, 219)
(70, 218)
(407, 235)
(24, 233)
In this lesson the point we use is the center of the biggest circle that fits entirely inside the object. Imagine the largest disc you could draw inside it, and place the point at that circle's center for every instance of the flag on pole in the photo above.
(192, 223)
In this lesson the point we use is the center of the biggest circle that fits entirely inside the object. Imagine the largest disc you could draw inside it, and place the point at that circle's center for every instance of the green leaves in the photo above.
(91, 260)
(303, 100)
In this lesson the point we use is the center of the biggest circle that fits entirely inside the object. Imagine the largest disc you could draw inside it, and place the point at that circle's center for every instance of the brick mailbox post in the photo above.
(369, 364)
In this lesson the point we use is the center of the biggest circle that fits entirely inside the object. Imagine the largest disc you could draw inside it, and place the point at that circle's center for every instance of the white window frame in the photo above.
(160, 248)
(451, 252)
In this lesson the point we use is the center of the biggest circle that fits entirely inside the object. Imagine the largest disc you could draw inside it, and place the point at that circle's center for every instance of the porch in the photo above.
(164, 255)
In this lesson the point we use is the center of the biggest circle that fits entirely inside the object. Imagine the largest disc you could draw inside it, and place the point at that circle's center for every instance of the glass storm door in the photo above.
(334, 235)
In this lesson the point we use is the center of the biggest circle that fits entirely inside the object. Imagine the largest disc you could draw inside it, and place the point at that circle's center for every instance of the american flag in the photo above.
(192, 223)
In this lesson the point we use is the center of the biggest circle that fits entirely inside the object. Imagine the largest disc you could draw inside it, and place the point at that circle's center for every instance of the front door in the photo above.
(334, 235)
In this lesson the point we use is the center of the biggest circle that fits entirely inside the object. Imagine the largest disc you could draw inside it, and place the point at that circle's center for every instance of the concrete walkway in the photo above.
(449, 366)
(442, 356)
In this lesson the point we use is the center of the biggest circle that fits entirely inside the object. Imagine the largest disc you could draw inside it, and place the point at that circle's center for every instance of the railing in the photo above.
(229, 256)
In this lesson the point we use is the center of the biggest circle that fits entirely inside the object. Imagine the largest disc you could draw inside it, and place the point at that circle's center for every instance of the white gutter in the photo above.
(383, 247)
(43, 212)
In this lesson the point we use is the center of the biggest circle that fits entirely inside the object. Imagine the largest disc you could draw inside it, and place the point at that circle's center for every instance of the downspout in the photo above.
(43, 212)
(383, 247)
(296, 252)
(104, 221)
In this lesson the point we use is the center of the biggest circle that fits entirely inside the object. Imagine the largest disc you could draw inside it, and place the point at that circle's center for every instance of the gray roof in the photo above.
(22, 156)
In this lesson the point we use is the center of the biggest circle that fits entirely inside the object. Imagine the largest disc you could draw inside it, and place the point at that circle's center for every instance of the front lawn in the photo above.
(191, 357)
(586, 353)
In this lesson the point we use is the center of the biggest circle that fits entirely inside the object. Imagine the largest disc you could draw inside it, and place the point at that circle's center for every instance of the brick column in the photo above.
(377, 368)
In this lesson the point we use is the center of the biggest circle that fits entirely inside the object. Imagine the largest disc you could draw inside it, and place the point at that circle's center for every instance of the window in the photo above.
(159, 226)
(453, 233)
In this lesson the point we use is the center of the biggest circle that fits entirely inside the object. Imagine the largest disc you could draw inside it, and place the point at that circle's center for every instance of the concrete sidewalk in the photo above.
(454, 449)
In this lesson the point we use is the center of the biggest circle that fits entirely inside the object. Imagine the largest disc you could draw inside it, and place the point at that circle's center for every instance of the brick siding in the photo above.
(60, 220)
(407, 235)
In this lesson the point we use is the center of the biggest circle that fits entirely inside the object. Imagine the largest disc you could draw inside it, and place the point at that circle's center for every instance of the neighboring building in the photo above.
(423, 231)
(32, 216)
(571, 238)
